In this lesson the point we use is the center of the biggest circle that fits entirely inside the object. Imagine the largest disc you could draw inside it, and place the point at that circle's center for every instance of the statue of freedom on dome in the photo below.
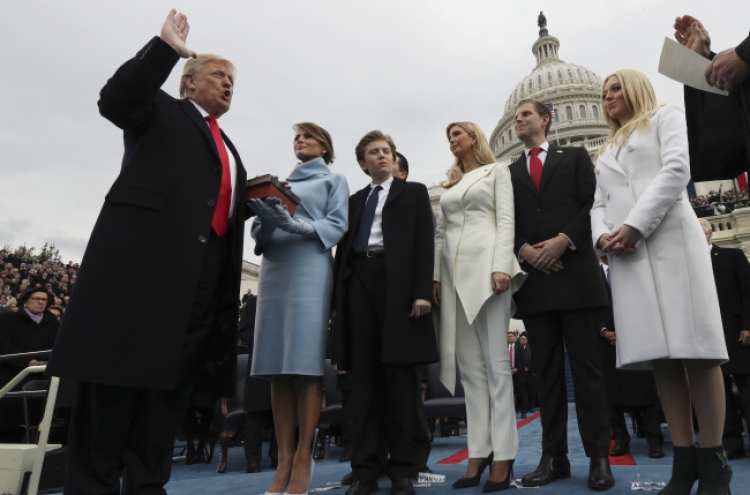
(542, 21)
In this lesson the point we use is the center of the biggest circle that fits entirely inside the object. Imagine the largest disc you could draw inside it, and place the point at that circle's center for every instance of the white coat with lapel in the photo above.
(664, 298)
(473, 239)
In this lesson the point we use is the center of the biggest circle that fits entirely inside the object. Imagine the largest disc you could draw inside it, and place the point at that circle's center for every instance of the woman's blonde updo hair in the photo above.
(482, 151)
(639, 97)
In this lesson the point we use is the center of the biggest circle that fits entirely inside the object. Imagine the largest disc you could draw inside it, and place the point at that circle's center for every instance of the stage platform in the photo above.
(448, 457)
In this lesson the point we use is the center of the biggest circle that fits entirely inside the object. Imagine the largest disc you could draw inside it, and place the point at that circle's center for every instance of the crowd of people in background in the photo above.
(719, 202)
(19, 272)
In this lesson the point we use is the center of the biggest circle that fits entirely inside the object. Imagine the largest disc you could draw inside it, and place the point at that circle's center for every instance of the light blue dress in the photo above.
(296, 277)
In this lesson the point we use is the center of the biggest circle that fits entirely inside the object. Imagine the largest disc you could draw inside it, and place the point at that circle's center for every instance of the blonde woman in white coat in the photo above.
(665, 304)
(475, 275)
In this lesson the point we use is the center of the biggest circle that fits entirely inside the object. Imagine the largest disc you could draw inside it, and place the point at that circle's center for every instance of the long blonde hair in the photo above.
(639, 97)
(482, 152)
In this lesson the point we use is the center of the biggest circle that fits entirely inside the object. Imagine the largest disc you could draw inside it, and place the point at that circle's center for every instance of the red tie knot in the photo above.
(536, 151)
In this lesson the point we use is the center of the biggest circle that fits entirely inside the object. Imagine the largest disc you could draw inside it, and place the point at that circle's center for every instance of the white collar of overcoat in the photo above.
(313, 167)
(468, 180)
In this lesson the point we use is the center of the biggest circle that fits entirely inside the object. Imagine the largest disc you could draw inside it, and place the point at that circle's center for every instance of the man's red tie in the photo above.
(511, 355)
(220, 223)
(535, 167)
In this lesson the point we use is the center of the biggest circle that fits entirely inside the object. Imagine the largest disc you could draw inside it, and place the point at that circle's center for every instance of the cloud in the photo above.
(407, 68)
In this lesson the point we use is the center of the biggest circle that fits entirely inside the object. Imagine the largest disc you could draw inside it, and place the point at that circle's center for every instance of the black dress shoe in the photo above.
(253, 467)
(656, 453)
(549, 469)
(346, 456)
(600, 475)
(424, 468)
(401, 486)
(619, 450)
(474, 480)
(362, 487)
(347, 479)
(523, 415)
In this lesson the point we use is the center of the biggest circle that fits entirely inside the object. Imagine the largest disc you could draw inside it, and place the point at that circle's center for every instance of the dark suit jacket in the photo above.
(562, 205)
(521, 363)
(408, 236)
(159, 208)
(719, 129)
(625, 388)
(732, 276)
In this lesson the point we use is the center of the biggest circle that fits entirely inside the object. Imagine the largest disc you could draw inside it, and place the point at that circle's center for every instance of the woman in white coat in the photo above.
(664, 297)
(476, 274)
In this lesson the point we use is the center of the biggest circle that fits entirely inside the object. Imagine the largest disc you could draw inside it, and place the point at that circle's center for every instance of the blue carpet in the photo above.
(203, 478)
(190, 480)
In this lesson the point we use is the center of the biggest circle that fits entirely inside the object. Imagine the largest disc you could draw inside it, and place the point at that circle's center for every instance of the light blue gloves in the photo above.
(273, 216)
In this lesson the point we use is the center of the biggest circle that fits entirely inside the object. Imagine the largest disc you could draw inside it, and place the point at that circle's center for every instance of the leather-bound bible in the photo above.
(268, 186)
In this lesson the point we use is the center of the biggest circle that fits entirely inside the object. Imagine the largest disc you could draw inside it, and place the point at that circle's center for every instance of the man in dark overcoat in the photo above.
(382, 329)
(732, 277)
(553, 191)
(179, 197)
(718, 125)
(627, 391)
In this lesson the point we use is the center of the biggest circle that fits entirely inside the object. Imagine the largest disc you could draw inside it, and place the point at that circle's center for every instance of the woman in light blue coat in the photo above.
(294, 299)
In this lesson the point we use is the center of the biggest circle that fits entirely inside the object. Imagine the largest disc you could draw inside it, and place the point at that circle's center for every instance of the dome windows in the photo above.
(559, 75)
(549, 77)
(530, 86)
(569, 113)
(510, 135)
(595, 111)
(580, 75)
(582, 111)
(570, 74)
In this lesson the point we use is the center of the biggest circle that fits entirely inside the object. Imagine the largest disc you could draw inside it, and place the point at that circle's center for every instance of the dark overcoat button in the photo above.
(217, 169)
(202, 238)
(211, 202)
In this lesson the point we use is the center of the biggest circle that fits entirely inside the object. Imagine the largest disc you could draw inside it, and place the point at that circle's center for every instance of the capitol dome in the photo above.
(573, 90)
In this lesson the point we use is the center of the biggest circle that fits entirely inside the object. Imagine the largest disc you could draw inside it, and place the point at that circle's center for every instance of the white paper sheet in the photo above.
(685, 66)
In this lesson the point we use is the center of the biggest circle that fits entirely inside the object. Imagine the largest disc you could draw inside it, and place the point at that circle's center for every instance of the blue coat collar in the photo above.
(308, 169)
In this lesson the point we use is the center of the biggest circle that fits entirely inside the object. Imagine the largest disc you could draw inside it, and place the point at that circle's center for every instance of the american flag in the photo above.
(552, 109)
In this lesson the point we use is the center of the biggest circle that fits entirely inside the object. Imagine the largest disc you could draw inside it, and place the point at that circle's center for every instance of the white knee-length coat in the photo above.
(664, 296)
(474, 238)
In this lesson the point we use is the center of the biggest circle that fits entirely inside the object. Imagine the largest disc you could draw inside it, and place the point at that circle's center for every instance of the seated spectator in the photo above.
(30, 329)
(57, 311)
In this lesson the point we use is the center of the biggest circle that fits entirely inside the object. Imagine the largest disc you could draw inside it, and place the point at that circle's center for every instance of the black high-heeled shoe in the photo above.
(474, 480)
(496, 486)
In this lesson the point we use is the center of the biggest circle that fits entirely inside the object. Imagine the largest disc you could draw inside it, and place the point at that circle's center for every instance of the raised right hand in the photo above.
(174, 33)
(690, 33)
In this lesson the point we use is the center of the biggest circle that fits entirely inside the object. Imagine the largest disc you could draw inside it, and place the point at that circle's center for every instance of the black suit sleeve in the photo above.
(424, 250)
(578, 229)
(742, 276)
(743, 50)
(127, 98)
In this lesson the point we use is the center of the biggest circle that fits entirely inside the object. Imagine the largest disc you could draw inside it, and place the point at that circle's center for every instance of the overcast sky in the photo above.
(407, 67)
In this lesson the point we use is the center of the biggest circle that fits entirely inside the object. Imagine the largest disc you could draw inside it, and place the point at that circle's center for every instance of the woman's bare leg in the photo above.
(309, 402)
(707, 390)
(674, 391)
(284, 402)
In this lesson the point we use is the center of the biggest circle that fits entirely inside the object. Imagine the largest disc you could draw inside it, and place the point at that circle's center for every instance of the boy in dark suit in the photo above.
(382, 303)
(553, 192)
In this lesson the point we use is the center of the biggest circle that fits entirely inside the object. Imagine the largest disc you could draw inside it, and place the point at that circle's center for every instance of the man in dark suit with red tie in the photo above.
(553, 191)
(179, 197)
(382, 329)
(732, 277)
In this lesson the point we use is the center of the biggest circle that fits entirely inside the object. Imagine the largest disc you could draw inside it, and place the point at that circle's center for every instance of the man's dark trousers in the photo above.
(382, 395)
(577, 331)
(651, 425)
(139, 425)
